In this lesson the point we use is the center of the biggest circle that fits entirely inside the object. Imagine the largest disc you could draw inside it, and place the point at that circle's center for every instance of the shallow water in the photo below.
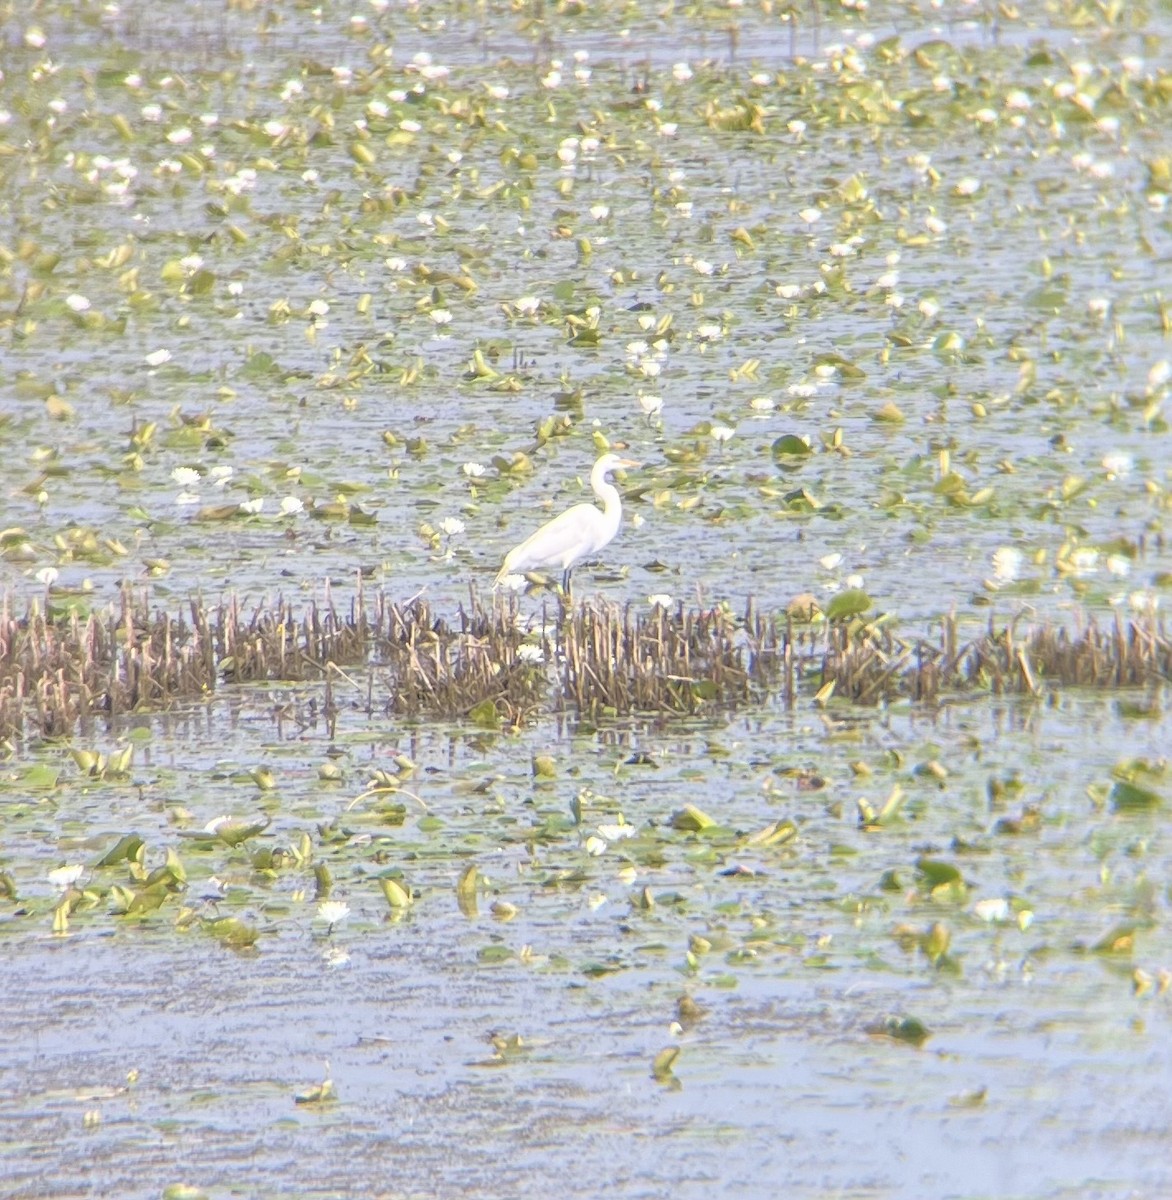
(781, 1082)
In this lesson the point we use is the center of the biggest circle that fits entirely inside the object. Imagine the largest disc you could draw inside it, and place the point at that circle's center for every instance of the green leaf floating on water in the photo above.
(127, 849)
(1119, 940)
(937, 873)
(233, 933)
(790, 446)
(40, 777)
(1136, 786)
(466, 889)
(902, 1029)
(691, 819)
(849, 603)
(485, 715)
(494, 954)
(324, 1093)
(776, 834)
(397, 896)
(232, 833)
(1130, 797)
(662, 1068)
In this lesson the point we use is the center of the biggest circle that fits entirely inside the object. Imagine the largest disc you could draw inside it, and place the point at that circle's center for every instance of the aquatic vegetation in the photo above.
(595, 659)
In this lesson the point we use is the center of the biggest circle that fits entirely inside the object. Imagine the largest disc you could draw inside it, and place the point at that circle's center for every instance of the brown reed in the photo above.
(60, 669)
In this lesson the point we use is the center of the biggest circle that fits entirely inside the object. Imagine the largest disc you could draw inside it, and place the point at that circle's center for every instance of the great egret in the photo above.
(575, 534)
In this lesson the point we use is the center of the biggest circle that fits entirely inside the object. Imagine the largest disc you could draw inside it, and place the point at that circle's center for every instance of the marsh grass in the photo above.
(63, 669)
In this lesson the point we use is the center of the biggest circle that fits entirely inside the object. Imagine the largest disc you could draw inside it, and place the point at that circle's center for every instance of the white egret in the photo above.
(575, 534)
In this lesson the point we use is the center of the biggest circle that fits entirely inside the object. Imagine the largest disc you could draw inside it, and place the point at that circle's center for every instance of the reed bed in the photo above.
(62, 669)
(613, 659)
(869, 665)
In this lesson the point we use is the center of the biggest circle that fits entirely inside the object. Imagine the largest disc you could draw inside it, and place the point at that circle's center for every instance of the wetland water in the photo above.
(289, 292)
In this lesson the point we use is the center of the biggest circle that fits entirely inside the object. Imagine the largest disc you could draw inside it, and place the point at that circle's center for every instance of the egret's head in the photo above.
(614, 462)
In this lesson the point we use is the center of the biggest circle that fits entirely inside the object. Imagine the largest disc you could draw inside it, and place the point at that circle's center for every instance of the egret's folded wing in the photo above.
(558, 543)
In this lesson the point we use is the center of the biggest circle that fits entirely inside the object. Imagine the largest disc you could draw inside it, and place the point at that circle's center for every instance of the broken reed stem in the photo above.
(62, 669)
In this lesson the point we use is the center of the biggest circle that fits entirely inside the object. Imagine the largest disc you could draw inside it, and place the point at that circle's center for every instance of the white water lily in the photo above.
(762, 404)
(252, 507)
(1007, 562)
(441, 316)
(186, 476)
(722, 433)
(810, 215)
(451, 526)
(64, 878)
(473, 470)
(660, 600)
(651, 403)
(600, 211)
(156, 358)
(992, 910)
(332, 912)
(534, 655)
(291, 506)
(78, 303)
(1084, 561)
(527, 306)
(616, 833)
(595, 846)
(47, 576)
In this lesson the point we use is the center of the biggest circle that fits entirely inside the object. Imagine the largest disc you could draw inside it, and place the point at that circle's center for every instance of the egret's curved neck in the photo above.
(607, 492)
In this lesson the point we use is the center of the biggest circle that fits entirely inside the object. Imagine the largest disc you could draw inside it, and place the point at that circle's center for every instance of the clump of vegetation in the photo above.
(494, 666)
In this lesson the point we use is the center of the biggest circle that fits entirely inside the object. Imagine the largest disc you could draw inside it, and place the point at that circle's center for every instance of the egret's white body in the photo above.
(575, 534)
